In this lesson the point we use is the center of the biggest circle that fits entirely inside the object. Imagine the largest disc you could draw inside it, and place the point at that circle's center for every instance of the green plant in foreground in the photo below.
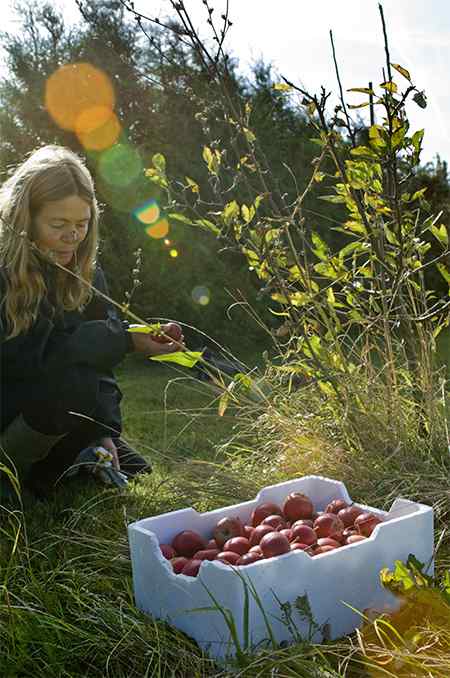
(414, 640)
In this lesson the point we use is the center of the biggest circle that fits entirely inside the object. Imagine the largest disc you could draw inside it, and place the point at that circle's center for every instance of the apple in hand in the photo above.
(226, 529)
(173, 330)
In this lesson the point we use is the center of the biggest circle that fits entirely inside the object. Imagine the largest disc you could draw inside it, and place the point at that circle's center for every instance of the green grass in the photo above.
(66, 602)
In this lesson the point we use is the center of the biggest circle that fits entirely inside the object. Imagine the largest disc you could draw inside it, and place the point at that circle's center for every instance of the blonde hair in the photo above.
(49, 173)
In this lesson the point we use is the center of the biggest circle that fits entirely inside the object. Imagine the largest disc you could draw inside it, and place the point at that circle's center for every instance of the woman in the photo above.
(58, 340)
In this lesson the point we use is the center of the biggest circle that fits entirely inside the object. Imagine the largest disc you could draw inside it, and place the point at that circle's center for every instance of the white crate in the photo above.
(334, 582)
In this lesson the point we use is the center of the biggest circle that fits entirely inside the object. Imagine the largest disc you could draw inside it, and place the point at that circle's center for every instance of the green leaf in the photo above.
(184, 358)
(362, 105)
(247, 213)
(230, 213)
(363, 151)
(207, 155)
(445, 273)
(362, 90)
(223, 404)
(335, 199)
(402, 71)
(416, 140)
(320, 247)
(207, 225)
(159, 161)
(249, 135)
(389, 86)
(177, 216)
(441, 233)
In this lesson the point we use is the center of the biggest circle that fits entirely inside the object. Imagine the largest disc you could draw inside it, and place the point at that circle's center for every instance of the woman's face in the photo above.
(60, 226)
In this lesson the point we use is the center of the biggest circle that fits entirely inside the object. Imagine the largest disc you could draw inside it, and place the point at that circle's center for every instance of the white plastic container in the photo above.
(334, 582)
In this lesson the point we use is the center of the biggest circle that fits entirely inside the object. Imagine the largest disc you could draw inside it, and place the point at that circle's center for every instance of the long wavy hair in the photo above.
(49, 173)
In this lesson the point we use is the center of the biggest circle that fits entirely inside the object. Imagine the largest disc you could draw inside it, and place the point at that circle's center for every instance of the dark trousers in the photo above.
(49, 408)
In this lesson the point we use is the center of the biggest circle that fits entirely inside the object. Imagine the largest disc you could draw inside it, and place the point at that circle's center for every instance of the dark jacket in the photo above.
(96, 338)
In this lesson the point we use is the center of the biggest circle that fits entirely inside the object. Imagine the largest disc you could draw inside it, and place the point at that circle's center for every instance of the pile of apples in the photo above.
(273, 530)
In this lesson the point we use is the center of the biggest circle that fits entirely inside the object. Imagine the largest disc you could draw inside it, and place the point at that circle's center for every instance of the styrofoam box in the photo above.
(335, 582)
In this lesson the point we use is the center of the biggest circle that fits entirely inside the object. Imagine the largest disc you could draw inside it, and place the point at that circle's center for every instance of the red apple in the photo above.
(354, 538)
(287, 533)
(187, 542)
(274, 544)
(264, 510)
(366, 523)
(303, 521)
(229, 557)
(329, 525)
(168, 551)
(258, 533)
(327, 541)
(304, 534)
(297, 546)
(191, 568)
(178, 563)
(173, 330)
(206, 554)
(348, 532)
(249, 558)
(256, 549)
(323, 549)
(349, 514)
(237, 544)
(275, 521)
(227, 528)
(248, 531)
(297, 506)
(336, 505)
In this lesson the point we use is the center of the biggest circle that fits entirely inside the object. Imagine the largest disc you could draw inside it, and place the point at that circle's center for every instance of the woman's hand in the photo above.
(109, 445)
(145, 343)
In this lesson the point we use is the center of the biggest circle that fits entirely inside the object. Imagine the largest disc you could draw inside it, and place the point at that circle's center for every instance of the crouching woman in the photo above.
(59, 341)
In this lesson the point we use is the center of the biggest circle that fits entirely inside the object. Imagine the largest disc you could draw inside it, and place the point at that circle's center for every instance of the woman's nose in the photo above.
(71, 236)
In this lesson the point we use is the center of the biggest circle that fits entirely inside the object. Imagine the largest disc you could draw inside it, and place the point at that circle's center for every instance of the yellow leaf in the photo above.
(223, 404)
(362, 90)
(402, 71)
(282, 87)
(389, 86)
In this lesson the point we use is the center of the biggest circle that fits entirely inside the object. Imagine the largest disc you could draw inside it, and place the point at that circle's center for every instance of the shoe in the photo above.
(131, 463)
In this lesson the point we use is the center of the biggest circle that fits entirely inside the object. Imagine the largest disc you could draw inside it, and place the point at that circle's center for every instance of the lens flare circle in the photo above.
(173, 253)
(201, 295)
(120, 165)
(75, 88)
(97, 128)
(158, 230)
(148, 213)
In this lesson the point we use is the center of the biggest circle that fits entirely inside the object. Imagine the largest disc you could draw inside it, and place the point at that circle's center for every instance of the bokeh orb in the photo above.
(201, 295)
(120, 165)
(75, 88)
(158, 230)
